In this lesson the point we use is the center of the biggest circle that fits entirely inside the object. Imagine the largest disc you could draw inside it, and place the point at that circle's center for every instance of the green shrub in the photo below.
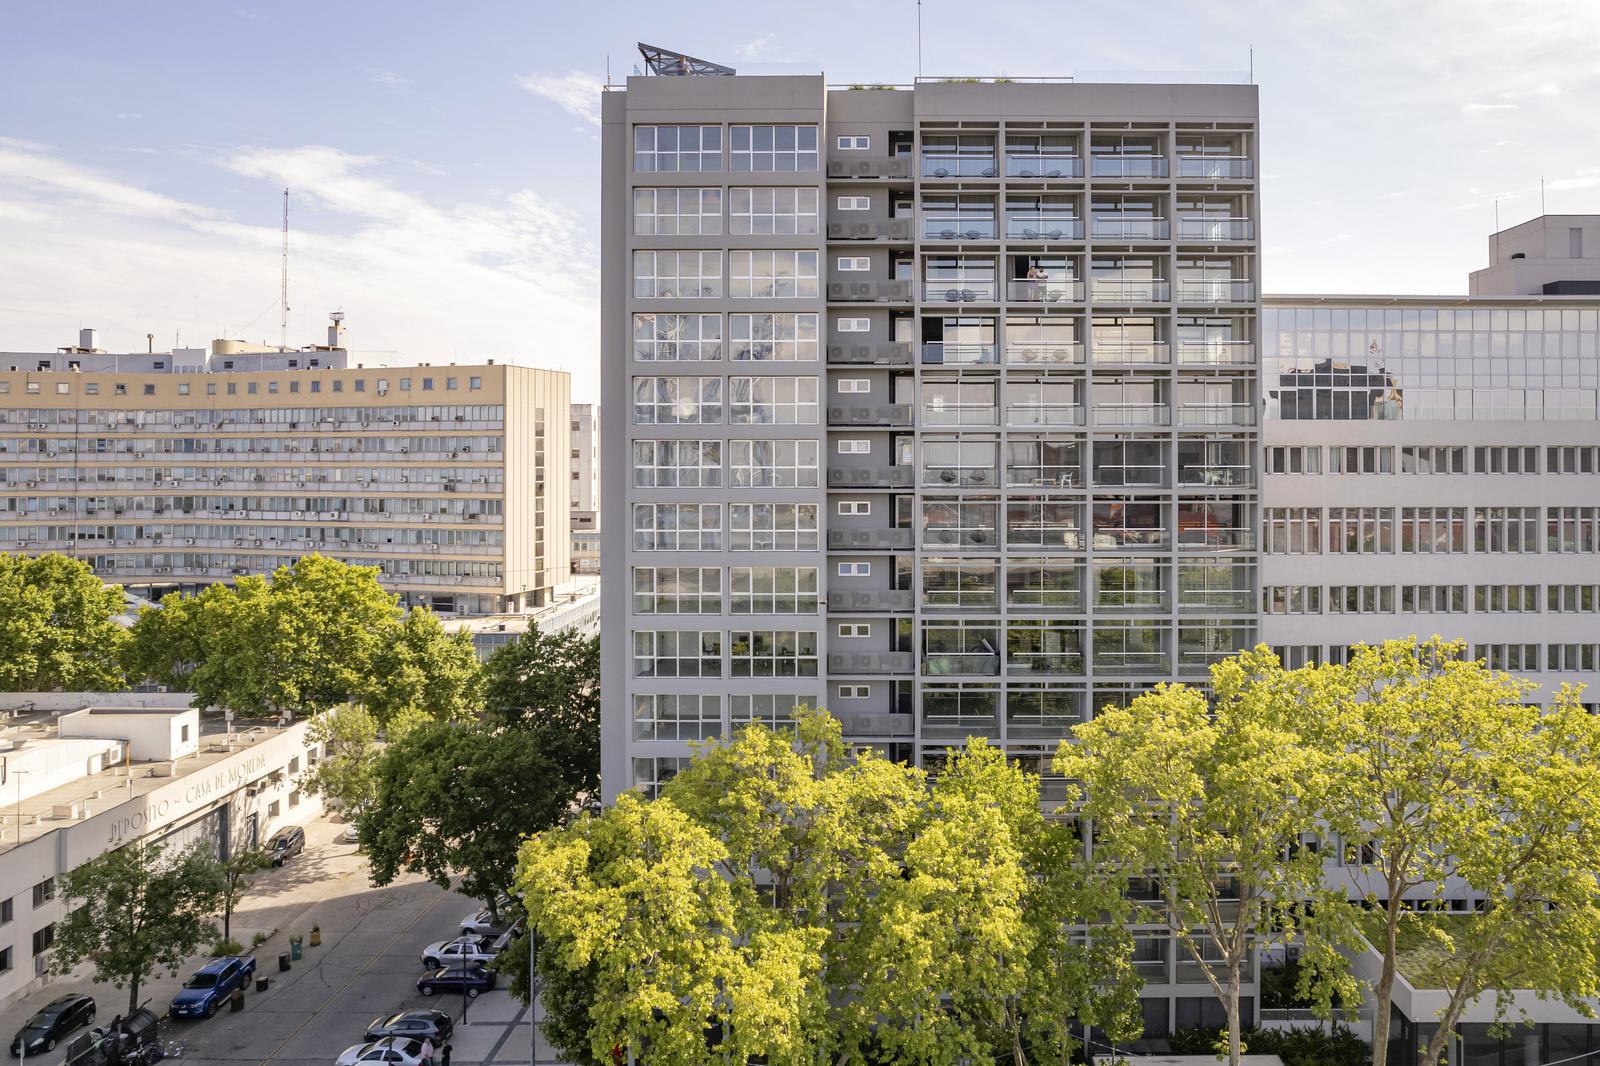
(1296, 1047)
(257, 940)
(225, 946)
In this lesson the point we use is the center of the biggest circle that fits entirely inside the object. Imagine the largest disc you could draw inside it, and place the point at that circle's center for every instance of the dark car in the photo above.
(412, 1023)
(286, 843)
(55, 1020)
(472, 978)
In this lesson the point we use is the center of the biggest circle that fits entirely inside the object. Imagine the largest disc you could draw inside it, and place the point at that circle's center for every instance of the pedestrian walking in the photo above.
(427, 1052)
(444, 1055)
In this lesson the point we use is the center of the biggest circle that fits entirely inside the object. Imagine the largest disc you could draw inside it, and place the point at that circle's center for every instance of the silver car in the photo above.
(467, 949)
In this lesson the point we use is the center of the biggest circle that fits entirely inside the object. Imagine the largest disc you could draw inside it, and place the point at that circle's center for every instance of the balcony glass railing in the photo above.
(1045, 536)
(1130, 290)
(1115, 599)
(1130, 662)
(1216, 353)
(1217, 414)
(1214, 475)
(1051, 353)
(983, 663)
(958, 726)
(1116, 165)
(1217, 538)
(1128, 228)
(1131, 414)
(942, 165)
(1044, 165)
(1044, 290)
(1216, 290)
(1214, 166)
(1130, 352)
(968, 536)
(1044, 414)
(960, 290)
(958, 477)
(1153, 475)
(958, 228)
(1032, 226)
(1209, 228)
(1216, 599)
(1044, 662)
(944, 353)
(958, 414)
(1110, 537)
(1054, 477)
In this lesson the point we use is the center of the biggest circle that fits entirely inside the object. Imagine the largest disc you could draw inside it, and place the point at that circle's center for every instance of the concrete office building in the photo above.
(585, 488)
(82, 773)
(450, 479)
(933, 405)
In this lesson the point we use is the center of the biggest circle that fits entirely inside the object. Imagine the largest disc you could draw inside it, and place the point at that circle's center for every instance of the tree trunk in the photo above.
(1382, 995)
(227, 921)
(133, 994)
(1235, 1028)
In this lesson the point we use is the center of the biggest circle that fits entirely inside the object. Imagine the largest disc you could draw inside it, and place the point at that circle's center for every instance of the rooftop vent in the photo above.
(677, 65)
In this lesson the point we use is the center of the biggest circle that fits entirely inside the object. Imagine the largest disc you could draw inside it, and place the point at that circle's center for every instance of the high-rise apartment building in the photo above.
(585, 488)
(933, 405)
(166, 475)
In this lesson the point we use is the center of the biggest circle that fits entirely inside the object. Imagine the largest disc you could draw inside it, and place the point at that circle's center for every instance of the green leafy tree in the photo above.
(168, 642)
(550, 683)
(457, 798)
(420, 667)
(1215, 812)
(56, 626)
(136, 911)
(236, 872)
(346, 773)
(1451, 772)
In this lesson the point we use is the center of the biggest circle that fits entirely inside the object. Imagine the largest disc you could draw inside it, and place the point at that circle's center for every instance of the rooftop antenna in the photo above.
(919, 38)
(1541, 194)
(283, 283)
(1497, 229)
(1252, 64)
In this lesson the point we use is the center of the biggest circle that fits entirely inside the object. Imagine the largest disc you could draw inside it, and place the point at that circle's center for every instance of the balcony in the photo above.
(1131, 475)
(963, 290)
(1035, 226)
(1216, 599)
(870, 414)
(871, 662)
(1128, 228)
(1054, 353)
(1044, 477)
(1044, 291)
(1215, 167)
(863, 725)
(1130, 290)
(941, 353)
(961, 664)
(1209, 229)
(955, 165)
(885, 539)
(957, 536)
(1215, 476)
(867, 600)
(869, 291)
(866, 476)
(893, 353)
(958, 228)
(1217, 414)
(1217, 538)
(1113, 352)
(1044, 662)
(1122, 663)
(1044, 165)
(870, 167)
(1216, 290)
(1216, 353)
(1044, 414)
(894, 229)
(1065, 537)
(1118, 165)
(959, 726)
(958, 477)
(945, 414)
(1132, 414)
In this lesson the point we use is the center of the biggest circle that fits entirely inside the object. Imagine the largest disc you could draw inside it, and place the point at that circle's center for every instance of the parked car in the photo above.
(203, 993)
(41, 1033)
(351, 835)
(413, 1023)
(391, 1049)
(487, 922)
(461, 949)
(472, 977)
(286, 843)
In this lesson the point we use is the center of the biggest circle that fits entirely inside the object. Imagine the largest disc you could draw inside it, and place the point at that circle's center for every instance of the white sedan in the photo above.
(467, 949)
(390, 1051)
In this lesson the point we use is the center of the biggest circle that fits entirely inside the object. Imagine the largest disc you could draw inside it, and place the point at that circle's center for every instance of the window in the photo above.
(1294, 530)
(651, 774)
(1360, 599)
(769, 211)
(776, 337)
(677, 212)
(150, 390)
(773, 589)
(1361, 530)
(854, 385)
(1505, 529)
(1572, 658)
(680, 401)
(1433, 599)
(183, 737)
(678, 275)
(1572, 460)
(273, 809)
(772, 526)
(1364, 460)
(855, 630)
(1572, 529)
(294, 799)
(5, 959)
(183, 388)
(677, 338)
(677, 717)
(1515, 657)
(773, 149)
(1417, 459)
(773, 401)
(677, 590)
(119, 388)
(44, 892)
(780, 274)
(1294, 460)
(855, 507)
(862, 569)
(772, 653)
(472, 384)
(854, 262)
(774, 710)
(5, 910)
(852, 446)
(854, 203)
(677, 464)
(672, 149)
(853, 325)
(1433, 530)
(92, 388)
(853, 144)
(854, 692)
(1517, 460)
(675, 653)
(43, 938)
(789, 464)
(1291, 599)
(1505, 599)
(677, 526)
(1569, 598)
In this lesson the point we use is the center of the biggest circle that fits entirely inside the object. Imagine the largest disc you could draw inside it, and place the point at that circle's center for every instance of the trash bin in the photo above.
(283, 962)
(294, 947)
(261, 983)
(236, 1001)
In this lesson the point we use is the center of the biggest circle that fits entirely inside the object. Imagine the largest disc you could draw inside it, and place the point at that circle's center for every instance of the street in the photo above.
(366, 967)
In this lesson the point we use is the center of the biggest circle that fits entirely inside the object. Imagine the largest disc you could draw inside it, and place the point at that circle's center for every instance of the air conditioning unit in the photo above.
(188, 540)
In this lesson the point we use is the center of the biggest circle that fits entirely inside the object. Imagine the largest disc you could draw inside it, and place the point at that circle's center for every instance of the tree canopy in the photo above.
(56, 626)
(549, 683)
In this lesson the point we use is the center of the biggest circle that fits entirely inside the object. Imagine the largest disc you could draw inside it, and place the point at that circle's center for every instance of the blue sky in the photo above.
(444, 159)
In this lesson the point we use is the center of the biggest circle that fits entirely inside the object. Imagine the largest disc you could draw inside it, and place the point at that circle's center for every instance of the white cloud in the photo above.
(758, 48)
(574, 91)
(1587, 178)
(389, 80)
(130, 116)
(1474, 109)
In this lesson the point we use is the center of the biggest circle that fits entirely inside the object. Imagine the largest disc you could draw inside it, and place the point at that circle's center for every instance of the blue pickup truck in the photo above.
(204, 993)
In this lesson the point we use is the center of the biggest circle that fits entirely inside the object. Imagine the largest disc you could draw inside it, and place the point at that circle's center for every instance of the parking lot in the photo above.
(366, 966)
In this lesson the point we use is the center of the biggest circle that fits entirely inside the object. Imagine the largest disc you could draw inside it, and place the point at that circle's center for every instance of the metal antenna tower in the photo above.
(283, 284)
